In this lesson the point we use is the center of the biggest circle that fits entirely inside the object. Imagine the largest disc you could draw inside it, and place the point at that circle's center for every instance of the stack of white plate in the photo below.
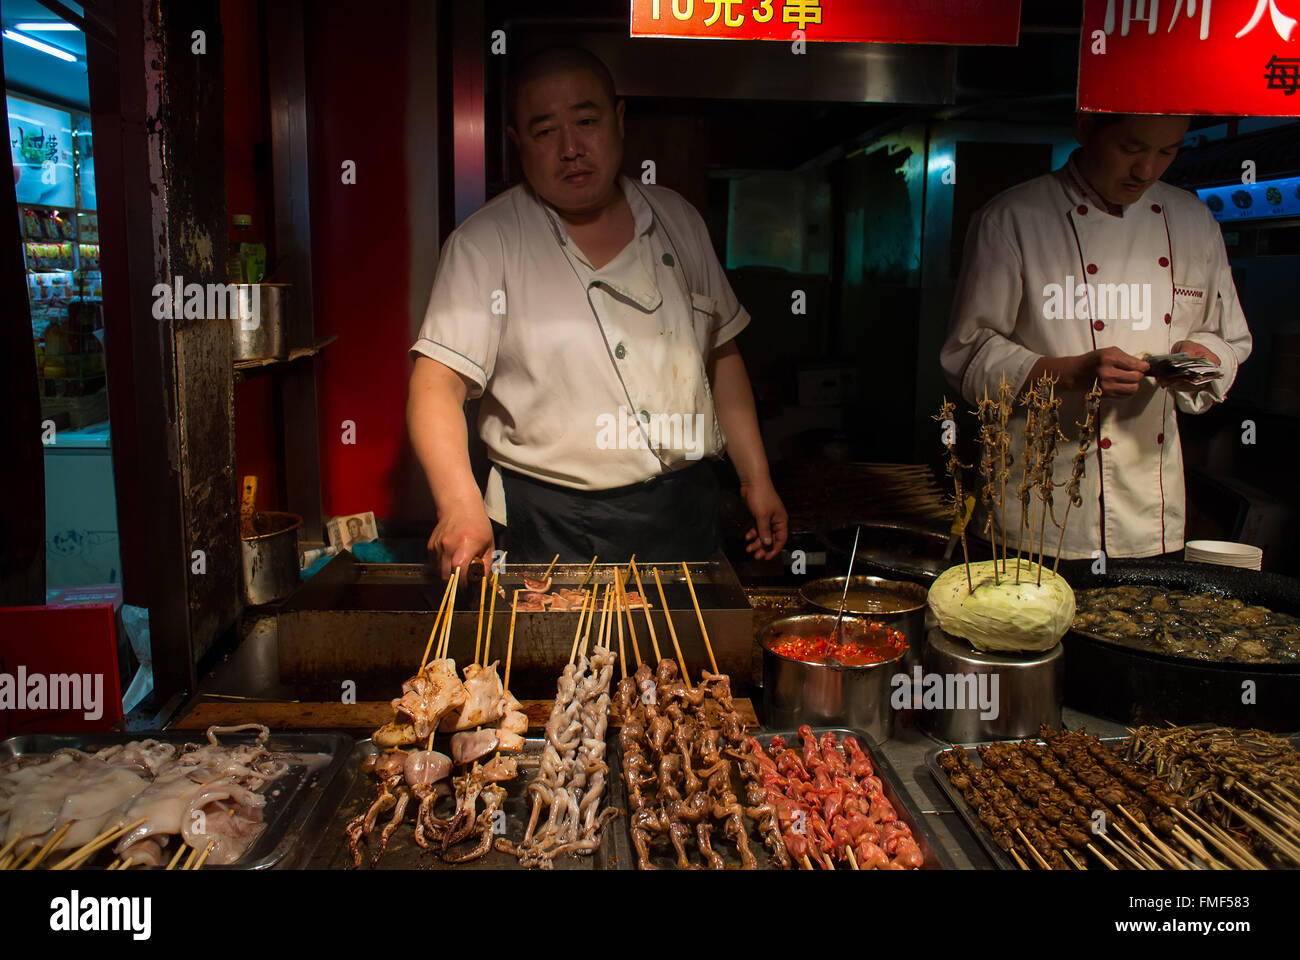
(1225, 553)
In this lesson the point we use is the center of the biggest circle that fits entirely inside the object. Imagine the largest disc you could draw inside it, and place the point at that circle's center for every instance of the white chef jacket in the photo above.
(568, 358)
(1054, 229)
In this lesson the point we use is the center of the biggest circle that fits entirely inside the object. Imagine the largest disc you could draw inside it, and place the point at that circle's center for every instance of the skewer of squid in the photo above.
(590, 567)
(478, 629)
(492, 609)
(699, 616)
(82, 853)
(510, 641)
(645, 607)
(618, 615)
(672, 632)
(437, 624)
(198, 865)
(627, 612)
(50, 844)
(446, 625)
(577, 634)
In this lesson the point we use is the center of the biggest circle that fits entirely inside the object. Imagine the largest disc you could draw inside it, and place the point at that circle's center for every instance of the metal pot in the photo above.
(819, 694)
(271, 562)
(910, 598)
(1029, 690)
(258, 326)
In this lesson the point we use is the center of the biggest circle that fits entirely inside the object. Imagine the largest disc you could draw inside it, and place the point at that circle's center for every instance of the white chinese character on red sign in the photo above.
(1191, 12)
(1281, 22)
(1134, 12)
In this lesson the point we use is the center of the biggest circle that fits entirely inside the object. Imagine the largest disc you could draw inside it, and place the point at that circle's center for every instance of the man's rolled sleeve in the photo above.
(462, 325)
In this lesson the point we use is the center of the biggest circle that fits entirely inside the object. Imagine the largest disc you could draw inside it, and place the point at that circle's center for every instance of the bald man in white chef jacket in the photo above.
(1081, 272)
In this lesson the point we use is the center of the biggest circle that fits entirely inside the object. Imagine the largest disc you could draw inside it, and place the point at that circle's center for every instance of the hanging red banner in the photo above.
(1233, 57)
(987, 22)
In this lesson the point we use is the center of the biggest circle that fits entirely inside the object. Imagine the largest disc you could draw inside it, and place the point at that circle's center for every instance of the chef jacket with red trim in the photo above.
(1040, 277)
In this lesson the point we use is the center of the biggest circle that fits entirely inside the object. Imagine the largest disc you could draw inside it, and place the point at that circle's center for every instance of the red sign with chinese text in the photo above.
(990, 22)
(1233, 57)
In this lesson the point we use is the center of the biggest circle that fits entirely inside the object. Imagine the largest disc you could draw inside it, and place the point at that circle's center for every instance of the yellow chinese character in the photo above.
(802, 12)
(723, 8)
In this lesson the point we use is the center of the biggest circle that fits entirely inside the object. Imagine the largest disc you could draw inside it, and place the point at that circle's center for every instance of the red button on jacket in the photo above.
(1092, 268)
(1105, 443)
(1098, 325)
(1163, 261)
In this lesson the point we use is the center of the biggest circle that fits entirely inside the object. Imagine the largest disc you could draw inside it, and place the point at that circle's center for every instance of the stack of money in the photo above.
(1181, 366)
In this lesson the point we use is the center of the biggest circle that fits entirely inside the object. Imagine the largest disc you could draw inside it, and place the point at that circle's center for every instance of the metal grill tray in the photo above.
(296, 804)
(959, 804)
(663, 856)
(403, 853)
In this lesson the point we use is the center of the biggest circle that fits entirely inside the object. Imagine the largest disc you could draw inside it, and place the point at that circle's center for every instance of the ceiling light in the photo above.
(38, 45)
(37, 26)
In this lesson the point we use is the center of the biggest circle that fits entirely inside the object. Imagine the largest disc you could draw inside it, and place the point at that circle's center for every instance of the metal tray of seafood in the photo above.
(935, 857)
(296, 804)
(403, 853)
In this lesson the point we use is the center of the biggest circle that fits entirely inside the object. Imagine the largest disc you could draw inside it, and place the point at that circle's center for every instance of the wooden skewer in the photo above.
(1100, 856)
(437, 623)
(114, 865)
(826, 858)
(1069, 855)
(590, 567)
(550, 567)
(50, 844)
(8, 847)
(189, 861)
(17, 860)
(604, 617)
(806, 864)
(180, 852)
(853, 861)
(1121, 851)
(591, 617)
(451, 609)
(699, 616)
(577, 634)
(6, 860)
(618, 615)
(1230, 849)
(492, 611)
(510, 641)
(1034, 850)
(1194, 845)
(672, 632)
(1137, 848)
(1163, 849)
(108, 836)
(627, 612)
(206, 851)
(126, 864)
(478, 630)
(1015, 856)
(645, 607)
(1283, 845)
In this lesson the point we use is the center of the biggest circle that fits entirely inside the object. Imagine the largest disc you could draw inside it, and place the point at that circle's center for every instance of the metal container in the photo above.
(825, 594)
(271, 561)
(298, 805)
(257, 328)
(1020, 691)
(795, 692)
